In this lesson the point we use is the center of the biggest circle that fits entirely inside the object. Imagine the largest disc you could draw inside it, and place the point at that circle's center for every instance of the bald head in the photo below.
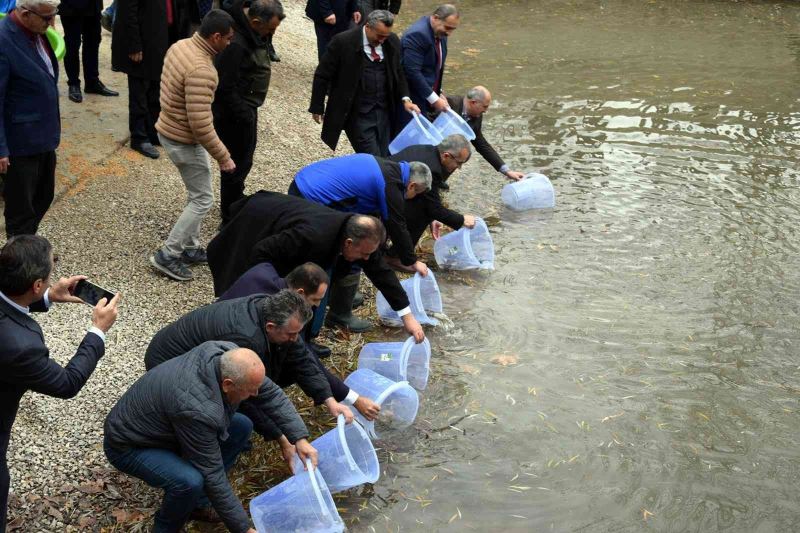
(477, 101)
(242, 373)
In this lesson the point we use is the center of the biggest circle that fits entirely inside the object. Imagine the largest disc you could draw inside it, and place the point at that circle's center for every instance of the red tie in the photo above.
(169, 12)
(374, 54)
(438, 46)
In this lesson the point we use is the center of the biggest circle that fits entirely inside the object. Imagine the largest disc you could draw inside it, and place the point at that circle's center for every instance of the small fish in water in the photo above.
(444, 320)
(505, 359)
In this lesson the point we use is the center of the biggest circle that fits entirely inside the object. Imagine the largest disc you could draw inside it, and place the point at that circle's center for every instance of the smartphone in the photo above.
(91, 293)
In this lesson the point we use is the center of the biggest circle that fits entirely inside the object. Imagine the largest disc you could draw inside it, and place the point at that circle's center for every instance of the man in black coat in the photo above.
(427, 208)
(471, 108)
(331, 17)
(26, 263)
(244, 69)
(368, 6)
(287, 231)
(143, 32)
(81, 22)
(364, 81)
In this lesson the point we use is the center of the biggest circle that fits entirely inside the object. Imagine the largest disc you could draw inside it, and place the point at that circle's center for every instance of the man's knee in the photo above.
(190, 483)
(241, 427)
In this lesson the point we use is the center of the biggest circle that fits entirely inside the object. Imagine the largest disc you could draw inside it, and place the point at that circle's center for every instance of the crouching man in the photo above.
(178, 429)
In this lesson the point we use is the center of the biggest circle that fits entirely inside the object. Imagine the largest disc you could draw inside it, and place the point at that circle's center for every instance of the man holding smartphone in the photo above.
(26, 263)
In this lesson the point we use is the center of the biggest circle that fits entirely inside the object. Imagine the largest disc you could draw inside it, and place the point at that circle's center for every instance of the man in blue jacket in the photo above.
(30, 123)
(424, 53)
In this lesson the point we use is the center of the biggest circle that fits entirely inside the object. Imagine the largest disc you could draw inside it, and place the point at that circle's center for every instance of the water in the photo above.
(653, 315)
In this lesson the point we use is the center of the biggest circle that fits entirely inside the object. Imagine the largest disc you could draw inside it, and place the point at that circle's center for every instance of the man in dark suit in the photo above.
(330, 18)
(424, 54)
(26, 262)
(81, 22)
(471, 107)
(30, 121)
(287, 231)
(368, 6)
(364, 82)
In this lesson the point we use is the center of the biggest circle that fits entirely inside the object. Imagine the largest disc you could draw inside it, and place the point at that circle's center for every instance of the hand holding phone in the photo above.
(91, 293)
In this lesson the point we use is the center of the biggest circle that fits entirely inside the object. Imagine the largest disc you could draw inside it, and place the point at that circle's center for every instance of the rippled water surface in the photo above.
(653, 314)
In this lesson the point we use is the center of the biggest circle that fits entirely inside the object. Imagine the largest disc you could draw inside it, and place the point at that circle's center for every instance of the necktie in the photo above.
(374, 54)
(437, 44)
(169, 12)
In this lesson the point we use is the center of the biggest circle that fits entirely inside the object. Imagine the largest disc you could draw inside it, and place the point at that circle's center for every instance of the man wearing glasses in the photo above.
(30, 123)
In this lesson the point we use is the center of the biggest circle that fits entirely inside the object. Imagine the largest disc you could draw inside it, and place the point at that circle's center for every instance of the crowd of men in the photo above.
(282, 264)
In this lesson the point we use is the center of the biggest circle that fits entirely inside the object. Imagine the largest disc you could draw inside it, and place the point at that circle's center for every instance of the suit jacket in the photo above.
(419, 61)
(339, 76)
(80, 7)
(480, 143)
(30, 119)
(25, 364)
(368, 6)
(260, 279)
(319, 10)
(288, 231)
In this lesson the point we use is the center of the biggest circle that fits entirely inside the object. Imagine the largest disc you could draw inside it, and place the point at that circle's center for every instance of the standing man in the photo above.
(186, 130)
(331, 17)
(30, 121)
(81, 22)
(244, 72)
(364, 82)
(26, 263)
(424, 54)
(368, 6)
(471, 107)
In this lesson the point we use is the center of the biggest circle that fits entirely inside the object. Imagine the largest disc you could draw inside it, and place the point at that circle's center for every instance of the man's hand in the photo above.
(413, 327)
(61, 291)
(227, 166)
(251, 530)
(136, 57)
(421, 267)
(306, 451)
(335, 409)
(469, 221)
(357, 17)
(367, 407)
(330, 19)
(4, 164)
(436, 229)
(411, 107)
(514, 175)
(105, 313)
(288, 452)
(441, 104)
(317, 118)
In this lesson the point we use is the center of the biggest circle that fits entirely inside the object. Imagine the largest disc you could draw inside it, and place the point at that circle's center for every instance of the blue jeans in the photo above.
(182, 482)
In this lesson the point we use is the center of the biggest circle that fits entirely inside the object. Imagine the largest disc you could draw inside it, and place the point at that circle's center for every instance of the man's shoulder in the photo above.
(418, 28)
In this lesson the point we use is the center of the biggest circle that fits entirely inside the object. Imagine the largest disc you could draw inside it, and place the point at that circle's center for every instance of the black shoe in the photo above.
(155, 141)
(97, 87)
(273, 55)
(107, 21)
(146, 149)
(75, 94)
(194, 256)
(173, 268)
(444, 186)
(321, 351)
(358, 300)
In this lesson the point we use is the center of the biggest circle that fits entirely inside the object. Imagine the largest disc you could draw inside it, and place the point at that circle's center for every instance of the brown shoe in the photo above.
(205, 514)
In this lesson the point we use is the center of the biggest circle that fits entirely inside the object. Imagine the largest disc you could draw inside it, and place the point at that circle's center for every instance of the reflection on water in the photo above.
(631, 364)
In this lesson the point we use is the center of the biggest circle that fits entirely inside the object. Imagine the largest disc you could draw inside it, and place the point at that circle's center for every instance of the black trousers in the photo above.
(369, 133)
(325, 32)
(79, 28)
(143, 109)
(29, 186)
(240, 140)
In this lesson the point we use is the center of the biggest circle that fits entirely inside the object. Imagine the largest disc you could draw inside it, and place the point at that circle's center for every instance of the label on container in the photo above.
(453, 250)
(386, 357)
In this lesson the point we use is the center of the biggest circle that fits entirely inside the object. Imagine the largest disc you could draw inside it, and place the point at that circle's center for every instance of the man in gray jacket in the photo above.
(177, 429)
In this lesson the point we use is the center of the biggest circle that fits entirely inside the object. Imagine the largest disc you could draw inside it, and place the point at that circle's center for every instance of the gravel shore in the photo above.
(61, 480)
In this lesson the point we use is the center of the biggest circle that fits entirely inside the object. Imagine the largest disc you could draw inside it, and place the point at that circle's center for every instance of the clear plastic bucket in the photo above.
(534, 191)
(347, 457)
(418, 131)
(399, 361)
(466, 249)
(301, 503)
(450, 123)
(399, 402)
(423, 296)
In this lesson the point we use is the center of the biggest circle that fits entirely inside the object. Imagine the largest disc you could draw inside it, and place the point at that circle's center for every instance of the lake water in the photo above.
(653, 314)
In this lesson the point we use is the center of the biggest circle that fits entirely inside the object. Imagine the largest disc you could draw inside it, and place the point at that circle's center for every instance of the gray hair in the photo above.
(455, 144)
(234, 365)
(477, 93)
(364, 227)
(380, 15)
(421, 175)
(266, 10)
(283, 306)
(445, 10)
(25, 4)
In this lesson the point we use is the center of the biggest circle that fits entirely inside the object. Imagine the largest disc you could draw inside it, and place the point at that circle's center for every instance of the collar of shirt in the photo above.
(367, 46)
(32, 36)
(23, 310)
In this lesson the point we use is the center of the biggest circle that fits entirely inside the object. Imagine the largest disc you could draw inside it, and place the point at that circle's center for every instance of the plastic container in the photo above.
(417, 131)
(53, 37)
(301, 503)
(450, 122)
(534, 191)
(347, 457)
(399, 401)
(399, 361)
(423, 296)
(466, 249)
